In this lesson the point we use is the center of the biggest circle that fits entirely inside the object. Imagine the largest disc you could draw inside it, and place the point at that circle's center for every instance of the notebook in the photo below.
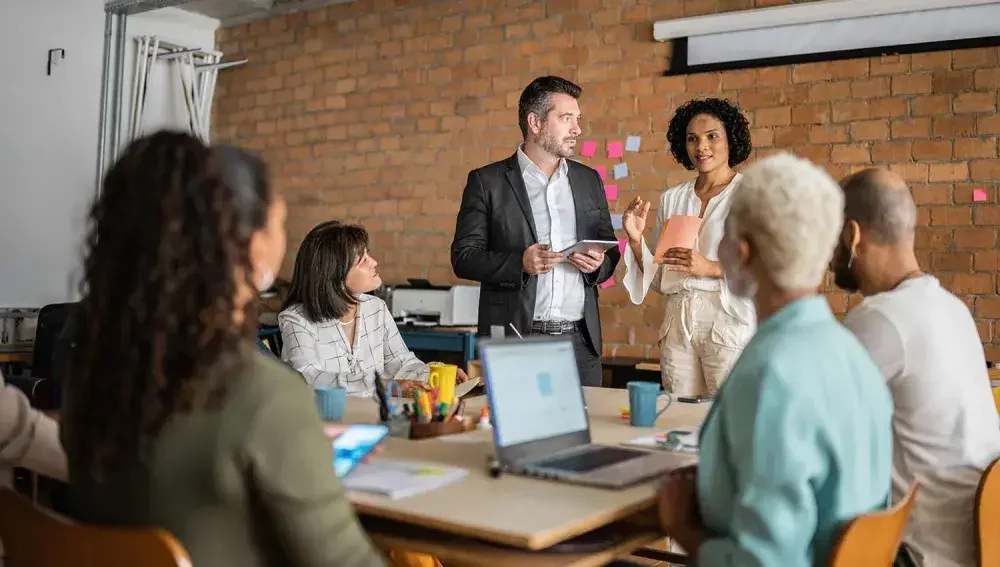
(680, 231)
(397, 478)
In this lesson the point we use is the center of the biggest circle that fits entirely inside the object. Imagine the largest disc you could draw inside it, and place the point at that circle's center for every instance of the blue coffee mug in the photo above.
(642, 398)
(331, 403)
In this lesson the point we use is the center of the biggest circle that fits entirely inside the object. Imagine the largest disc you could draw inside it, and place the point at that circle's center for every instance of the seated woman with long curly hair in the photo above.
(172, 418)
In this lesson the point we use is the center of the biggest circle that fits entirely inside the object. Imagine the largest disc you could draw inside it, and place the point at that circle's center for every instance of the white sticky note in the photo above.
(616, 222)
(621, 170)
(632, 143)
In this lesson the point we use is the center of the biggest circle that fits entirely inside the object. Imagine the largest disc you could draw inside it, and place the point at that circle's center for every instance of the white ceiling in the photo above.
(227, 11)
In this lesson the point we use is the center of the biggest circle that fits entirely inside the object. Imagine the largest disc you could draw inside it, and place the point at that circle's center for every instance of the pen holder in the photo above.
(439, 428)
(398, 427)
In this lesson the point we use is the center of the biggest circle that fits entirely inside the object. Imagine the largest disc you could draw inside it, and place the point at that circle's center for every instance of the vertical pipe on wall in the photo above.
(102, 137)
(116, 98)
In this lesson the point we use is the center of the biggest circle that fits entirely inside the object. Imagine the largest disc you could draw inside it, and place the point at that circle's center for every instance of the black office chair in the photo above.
(51, 339)
(54, 337)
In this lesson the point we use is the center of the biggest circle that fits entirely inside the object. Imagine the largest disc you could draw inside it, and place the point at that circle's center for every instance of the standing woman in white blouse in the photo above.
(334, 333)
(704, 326)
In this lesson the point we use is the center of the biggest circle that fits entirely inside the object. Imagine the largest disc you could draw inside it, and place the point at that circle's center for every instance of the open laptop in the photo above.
(540, 423)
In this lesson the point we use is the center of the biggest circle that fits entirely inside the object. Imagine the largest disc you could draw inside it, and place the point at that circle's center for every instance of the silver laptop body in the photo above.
(540, 423)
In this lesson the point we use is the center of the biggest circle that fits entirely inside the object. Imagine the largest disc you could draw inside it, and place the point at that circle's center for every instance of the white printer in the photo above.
(422, 304)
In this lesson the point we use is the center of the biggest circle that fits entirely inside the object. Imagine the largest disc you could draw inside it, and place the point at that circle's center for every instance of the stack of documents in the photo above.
(398, 478)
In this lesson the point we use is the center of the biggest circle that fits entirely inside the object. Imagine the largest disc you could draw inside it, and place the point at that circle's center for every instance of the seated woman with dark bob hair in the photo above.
(334, 333)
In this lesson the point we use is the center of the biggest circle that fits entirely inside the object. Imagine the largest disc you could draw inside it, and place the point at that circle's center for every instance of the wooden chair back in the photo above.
(986, 517)
(31, 535)
(872, 540)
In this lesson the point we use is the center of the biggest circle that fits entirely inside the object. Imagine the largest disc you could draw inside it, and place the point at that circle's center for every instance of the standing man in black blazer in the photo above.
(518, 213)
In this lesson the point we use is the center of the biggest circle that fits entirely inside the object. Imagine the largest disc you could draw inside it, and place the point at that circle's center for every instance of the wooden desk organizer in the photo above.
(438, 428)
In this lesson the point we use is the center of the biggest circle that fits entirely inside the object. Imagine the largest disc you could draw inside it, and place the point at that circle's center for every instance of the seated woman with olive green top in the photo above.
(172, 418)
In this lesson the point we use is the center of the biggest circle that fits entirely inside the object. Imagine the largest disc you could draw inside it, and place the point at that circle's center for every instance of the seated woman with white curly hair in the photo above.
(799, 440)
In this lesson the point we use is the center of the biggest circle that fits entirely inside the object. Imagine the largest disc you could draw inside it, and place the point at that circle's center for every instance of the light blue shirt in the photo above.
(798, 442)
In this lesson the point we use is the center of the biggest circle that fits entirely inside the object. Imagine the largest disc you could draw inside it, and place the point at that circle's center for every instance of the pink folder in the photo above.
(681, 231)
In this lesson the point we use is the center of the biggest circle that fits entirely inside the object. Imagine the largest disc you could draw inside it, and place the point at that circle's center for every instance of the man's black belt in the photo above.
(555, 327)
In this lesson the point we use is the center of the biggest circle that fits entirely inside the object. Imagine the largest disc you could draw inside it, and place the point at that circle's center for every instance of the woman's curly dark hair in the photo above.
(737, 129)
(167, 245)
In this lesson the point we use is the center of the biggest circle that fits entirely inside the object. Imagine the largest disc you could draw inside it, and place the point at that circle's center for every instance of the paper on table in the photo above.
(681, 231)
(979, 196)
(588, 149)
(397, 478)
(610, 282)
(621, 170)
(616, 222)
(614, 149)
(602, 171)
(465, 387)
(611, 191)
(681, 440)
(632, 143)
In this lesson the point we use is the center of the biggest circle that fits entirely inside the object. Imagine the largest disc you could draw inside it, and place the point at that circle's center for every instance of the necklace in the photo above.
(348, 322)
(908, 276)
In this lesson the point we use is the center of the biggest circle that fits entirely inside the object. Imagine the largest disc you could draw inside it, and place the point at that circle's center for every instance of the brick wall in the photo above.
(375, 111)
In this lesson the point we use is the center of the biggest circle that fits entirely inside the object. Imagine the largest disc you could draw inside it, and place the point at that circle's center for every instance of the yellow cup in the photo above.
(442, 378)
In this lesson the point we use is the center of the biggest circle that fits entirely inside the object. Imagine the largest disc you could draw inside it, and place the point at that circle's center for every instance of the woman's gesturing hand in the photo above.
(634, 218)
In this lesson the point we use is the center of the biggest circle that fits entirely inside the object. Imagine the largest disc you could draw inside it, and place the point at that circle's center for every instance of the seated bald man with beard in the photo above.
(924, 340)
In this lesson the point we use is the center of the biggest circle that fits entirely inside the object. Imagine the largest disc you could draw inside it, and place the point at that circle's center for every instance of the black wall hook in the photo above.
(61, 53)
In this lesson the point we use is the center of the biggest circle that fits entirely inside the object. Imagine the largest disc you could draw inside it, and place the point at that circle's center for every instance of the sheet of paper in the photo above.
(602, 171)
(614, 149)
(611, 191)
(681, 440)
(632, 143)
(610, 282)
(979, 196)
(588, 148)
(466, 387)
(681, 231)
(621, 170)
(616, 222)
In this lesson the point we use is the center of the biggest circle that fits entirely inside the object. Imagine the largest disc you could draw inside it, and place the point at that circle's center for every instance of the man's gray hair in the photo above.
(881, 203)
(791, 211)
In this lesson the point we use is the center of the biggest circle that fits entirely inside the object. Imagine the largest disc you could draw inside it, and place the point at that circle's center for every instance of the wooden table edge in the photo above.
(471, 551)
(533, 543)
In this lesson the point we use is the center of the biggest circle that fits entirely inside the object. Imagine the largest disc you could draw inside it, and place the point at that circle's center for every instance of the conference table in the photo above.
(512, 520)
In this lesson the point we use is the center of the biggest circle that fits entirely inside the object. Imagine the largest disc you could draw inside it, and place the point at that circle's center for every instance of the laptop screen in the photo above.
(534, 390)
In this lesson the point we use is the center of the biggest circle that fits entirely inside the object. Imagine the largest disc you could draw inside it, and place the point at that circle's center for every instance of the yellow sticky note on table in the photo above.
(428, 471)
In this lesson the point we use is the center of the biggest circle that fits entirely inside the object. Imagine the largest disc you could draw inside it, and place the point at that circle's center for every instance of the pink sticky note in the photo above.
(614, 149)
(622, 243)
(610, 282)
(611, 191)
(978, 195)
(588, 149)
(602, 171)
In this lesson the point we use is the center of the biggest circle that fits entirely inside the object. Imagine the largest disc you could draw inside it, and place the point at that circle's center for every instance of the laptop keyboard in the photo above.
(589, 460)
